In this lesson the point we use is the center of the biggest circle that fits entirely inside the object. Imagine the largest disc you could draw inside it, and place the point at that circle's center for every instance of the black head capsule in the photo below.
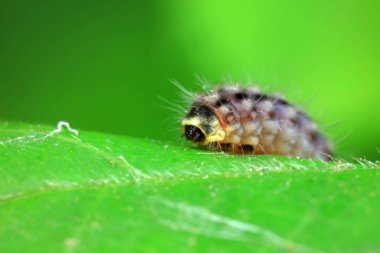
(194, 134)
(201, 126)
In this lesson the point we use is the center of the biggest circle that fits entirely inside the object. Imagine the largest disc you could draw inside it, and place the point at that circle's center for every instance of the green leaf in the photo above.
(93, 192)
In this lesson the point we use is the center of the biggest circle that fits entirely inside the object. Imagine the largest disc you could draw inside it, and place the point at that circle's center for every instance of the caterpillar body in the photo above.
(242, 120)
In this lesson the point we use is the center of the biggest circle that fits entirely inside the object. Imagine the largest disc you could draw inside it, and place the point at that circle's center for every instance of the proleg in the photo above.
(242, 120)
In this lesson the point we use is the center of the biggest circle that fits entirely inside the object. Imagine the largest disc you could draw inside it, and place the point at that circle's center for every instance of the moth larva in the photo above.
(241, 120)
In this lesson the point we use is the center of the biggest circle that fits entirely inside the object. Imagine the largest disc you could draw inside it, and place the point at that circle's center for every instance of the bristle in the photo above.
(184, 91)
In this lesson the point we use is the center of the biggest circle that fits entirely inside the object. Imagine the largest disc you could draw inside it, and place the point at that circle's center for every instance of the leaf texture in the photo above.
(94, 192)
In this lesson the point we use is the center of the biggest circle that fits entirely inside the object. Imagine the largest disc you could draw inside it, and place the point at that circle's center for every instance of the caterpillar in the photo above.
(242, 120)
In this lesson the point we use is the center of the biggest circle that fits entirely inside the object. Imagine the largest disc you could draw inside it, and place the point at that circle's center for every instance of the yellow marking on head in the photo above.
(217, 133)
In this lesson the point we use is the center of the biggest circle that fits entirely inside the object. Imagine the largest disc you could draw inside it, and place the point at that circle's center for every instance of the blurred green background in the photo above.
(101, 65)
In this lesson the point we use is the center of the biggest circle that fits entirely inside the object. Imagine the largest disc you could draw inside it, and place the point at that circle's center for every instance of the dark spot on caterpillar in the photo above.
(279, 101)
(241, 95)
(222, 101)
(293, 120)
(202, 111)
(260, 97)
(194, 134)
(314, 136)
(272, 114)
(247, 148)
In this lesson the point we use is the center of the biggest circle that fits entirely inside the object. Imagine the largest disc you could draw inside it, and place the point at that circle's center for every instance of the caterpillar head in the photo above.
(201, 126)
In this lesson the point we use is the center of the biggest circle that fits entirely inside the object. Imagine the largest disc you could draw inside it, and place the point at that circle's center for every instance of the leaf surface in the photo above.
(93, 192)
